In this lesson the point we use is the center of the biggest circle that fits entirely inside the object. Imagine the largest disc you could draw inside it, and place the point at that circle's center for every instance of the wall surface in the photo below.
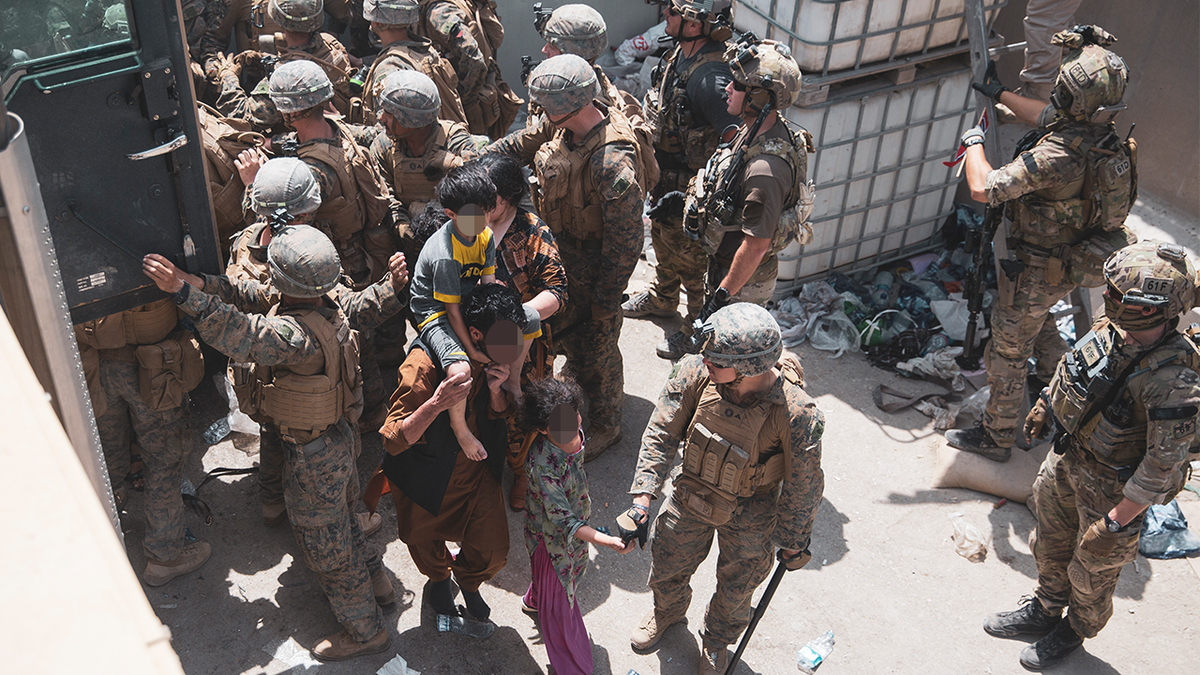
(625, 19)
(1160, 44)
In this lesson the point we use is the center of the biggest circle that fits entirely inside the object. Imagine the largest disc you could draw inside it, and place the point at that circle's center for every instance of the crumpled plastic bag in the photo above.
(797, 315)
(942, 412)
(238, 421)
(834, 332)
(969, 542)
(940, 364)
(953, 314)
(975, 403)
(1165, 533)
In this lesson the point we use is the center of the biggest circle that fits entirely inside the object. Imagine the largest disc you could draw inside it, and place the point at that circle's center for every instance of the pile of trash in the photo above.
(909, 316)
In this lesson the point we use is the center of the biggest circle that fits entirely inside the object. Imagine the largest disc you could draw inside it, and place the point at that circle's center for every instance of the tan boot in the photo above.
(190, 558)
(598, 439)
(369, 523)
(651, 630)
(516, 496)
(381, 585)
(714, 659)
(274, 514)
(341, 646)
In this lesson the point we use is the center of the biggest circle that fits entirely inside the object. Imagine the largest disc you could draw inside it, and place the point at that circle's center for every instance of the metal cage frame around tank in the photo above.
(931, 158)
(991, 8)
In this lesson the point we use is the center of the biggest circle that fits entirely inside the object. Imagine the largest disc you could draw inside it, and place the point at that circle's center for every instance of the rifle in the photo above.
(526, 69)
(718, 185)
(977, 240)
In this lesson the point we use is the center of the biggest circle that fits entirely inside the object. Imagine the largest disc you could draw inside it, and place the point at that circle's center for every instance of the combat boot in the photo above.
(369, 523)
(598, 439)
(381, 586)
(1029, 619)
(675, 347)
(1052, 649)
(651, 629)
(274, 514)
(342, 646)
(645, 304)
(190, 558)
(979, 441)
(714, 658)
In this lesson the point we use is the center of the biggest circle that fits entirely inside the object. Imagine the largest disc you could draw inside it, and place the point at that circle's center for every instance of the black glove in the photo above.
(795, 562)
(715, 302)
(634, 524)
(991, 86)
(670, 204)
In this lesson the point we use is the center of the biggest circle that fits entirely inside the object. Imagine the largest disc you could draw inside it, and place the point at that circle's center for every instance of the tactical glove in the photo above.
(973, 136)
(991, 86)
(796, 562)
(1035, 421)
(634, 524)
(670, 204)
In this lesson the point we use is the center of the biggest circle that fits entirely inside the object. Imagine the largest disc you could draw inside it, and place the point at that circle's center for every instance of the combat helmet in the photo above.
(299, 16)
(303, 262)
(1152, 274)
(284, 183)
(576, 29)
(765, 68)
(1091, 77)
(392, 12)
(563, 84)
(714, 16)
(745, 337)
(411, 97)
(299, 85)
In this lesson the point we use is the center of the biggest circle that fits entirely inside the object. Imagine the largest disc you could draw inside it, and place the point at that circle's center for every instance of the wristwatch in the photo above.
(1112, 525)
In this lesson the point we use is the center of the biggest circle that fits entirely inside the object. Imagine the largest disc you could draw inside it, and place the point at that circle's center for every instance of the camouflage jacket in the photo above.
(803, 480)
(452, 26)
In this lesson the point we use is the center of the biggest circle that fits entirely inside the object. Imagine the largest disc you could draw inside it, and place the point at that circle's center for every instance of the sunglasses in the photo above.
(671, 11)
(738, 86)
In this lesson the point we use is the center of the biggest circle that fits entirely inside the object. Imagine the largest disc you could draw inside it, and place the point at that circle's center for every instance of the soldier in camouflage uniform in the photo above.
(588, 192)
(742, 409)
(392, 21)
(113, 350)
(1125, 402)
(744, 233)
(686, 109)
(305, 381)
(300, 40)
(1067, 197)
(468, 33)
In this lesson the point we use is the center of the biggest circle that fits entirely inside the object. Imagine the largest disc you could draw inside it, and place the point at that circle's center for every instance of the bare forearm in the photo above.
(977, 169)
(747, 259)
(414, 426)
(1027, 109)
(546, 304)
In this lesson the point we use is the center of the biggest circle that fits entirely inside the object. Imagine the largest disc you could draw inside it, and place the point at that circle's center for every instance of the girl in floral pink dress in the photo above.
(556, 529)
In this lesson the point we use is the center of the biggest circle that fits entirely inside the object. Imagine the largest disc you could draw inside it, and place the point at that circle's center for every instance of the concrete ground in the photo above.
(884, 576)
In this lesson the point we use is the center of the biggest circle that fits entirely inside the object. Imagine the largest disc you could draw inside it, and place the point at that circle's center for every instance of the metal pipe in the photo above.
(42, 308)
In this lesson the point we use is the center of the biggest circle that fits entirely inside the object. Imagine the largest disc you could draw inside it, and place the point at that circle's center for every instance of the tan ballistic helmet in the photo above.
(300, 16)
(576, 29)
(1091, 77)
(1153, 274)
(763, 67)
(563, 84)
(411, 97)
(713, 15)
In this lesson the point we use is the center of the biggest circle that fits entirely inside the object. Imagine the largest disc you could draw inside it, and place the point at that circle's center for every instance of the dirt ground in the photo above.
(884, 576)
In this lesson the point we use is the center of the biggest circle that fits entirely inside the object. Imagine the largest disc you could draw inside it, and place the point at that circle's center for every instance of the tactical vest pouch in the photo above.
(248, 390)
(302, 401)
(104, 333)
(168, 370)
(703, 502)
(343, 216)
(150, 323)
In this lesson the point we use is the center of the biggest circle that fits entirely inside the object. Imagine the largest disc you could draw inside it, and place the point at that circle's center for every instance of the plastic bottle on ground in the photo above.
(882, 290)
(813, 654)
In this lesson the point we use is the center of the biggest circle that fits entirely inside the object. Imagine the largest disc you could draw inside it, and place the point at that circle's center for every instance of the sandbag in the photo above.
(1012, 480)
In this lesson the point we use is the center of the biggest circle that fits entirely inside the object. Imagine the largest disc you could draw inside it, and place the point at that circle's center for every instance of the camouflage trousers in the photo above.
(757, 290)
(162, 436)
(680, 542)
(320, 488)
(590, 344)
(1072, 492)
(681, 262)
(1017, 330)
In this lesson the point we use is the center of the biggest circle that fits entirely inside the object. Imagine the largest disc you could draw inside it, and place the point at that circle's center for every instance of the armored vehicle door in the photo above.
(104, 89)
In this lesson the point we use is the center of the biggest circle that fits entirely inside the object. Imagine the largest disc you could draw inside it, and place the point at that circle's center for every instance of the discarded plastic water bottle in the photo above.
(217, 431)
(882, 291)
(813, 654)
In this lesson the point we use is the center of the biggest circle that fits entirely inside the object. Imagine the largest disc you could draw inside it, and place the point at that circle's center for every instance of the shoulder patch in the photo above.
(285, 331)
(1183, 429)
(775, 146)
(624, 180)
(674, 371)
